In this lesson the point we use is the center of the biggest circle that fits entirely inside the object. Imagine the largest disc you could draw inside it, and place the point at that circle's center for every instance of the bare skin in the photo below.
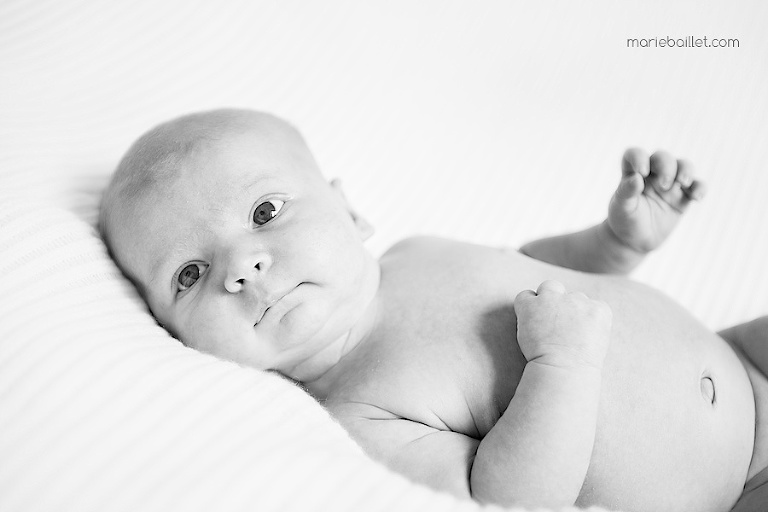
(505, 377)
(656, 427)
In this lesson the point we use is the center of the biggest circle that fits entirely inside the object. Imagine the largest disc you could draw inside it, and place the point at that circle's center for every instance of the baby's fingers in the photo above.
(695, 191)
(686, 188)
(685, 173)
(663, 171)
(629, 191)
(551, 286)
(634, 170)
(635, 160)
(691, 188)
(674, 180)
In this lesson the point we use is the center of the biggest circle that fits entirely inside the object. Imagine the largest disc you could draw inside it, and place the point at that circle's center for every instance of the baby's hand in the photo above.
(561, 328)
(651, 197)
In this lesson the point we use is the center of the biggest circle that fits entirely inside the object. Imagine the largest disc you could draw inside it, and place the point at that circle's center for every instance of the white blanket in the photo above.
(490, 121)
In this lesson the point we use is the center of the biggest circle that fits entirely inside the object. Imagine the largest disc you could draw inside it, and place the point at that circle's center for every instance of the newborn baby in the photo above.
(440, 359)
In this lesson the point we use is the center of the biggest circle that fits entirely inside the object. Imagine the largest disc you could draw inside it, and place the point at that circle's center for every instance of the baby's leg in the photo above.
(752, 339)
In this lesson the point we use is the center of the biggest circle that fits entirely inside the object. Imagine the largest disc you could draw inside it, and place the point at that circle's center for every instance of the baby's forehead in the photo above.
(226, 173)
(181, 153)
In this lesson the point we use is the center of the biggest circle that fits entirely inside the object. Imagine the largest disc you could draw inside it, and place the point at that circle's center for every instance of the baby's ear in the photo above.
(365, 228)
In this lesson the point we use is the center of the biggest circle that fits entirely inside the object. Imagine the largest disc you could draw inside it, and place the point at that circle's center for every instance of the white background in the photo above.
(490, 121)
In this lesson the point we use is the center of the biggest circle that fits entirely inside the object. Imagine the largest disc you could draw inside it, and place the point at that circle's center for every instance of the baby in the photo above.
(440, 359)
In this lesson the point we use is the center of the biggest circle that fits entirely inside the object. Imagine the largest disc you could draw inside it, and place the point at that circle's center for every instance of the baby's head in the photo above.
(239, 246)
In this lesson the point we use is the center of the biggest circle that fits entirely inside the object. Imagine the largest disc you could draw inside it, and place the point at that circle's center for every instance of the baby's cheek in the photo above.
(202, 328)
(336, 250)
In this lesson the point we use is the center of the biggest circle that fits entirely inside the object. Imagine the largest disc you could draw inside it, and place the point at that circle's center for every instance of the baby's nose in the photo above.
(245, 269)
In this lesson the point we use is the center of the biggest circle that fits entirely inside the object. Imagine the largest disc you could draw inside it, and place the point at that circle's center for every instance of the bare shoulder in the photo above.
(438, 458)
(426, 245)
(419, 243)
(416, 252)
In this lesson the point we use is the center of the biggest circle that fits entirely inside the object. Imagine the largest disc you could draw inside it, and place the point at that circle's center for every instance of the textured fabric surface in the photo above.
(490, 121)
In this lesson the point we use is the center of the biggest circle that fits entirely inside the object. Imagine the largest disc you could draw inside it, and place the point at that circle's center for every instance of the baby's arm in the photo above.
(596, 249)
(539, 451)
(648, 203)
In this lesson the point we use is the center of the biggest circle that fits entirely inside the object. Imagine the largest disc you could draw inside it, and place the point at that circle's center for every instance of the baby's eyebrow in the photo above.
(256, 181)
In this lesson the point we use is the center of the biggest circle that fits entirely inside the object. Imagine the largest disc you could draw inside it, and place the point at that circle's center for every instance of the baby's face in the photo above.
(249, 254)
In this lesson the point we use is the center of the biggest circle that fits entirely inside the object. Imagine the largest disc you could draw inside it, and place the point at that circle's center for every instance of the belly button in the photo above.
(708, 389)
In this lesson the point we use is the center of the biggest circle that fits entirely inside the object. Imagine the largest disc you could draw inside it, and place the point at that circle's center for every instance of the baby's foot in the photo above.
(651, 197)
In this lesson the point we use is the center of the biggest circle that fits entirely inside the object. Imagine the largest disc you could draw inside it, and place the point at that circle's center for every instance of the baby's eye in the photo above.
(266, 211)
(189, 275)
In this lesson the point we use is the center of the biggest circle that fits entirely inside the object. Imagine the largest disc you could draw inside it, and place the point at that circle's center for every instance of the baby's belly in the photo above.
(676, 422)
(676, 425)
(675, 430)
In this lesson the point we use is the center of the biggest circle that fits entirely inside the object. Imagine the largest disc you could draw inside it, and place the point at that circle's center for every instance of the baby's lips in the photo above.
(268, 304)
(261, 316)
(263, 312)
(265, 307)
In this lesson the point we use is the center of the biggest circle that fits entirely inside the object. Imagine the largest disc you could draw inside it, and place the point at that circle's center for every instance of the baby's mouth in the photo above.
(262, 315)
(272, 302)
(268, 305)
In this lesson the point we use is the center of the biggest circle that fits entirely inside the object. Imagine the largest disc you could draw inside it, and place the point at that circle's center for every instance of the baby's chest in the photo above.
(447, 353)
(464, 395)
(454, 369)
